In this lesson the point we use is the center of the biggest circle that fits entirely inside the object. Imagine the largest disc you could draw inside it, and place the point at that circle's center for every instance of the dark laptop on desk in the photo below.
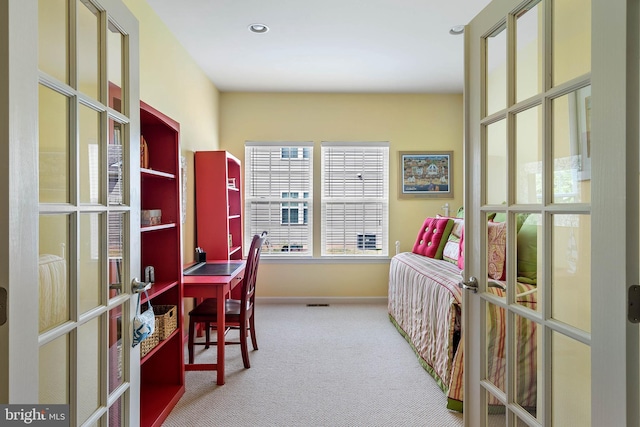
(213, 269)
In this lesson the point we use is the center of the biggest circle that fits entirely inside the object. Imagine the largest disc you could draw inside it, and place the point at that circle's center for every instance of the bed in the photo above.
(424, 304)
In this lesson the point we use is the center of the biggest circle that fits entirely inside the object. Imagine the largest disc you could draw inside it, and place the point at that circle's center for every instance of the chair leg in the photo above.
(191, 334)
(207, 334)
(243, 345)
(252, 327)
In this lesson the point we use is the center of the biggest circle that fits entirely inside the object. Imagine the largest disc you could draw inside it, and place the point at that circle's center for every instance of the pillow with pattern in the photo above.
(451, 250)
(496, 249)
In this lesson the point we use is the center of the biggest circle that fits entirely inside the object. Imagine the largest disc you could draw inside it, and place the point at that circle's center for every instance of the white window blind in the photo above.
(355, 199)
(279, 196)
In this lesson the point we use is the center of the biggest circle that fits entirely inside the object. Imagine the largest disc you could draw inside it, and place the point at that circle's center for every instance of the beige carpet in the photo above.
(342, 365)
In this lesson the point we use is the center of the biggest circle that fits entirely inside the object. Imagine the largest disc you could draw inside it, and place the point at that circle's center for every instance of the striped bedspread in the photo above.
(52, 279)
(425, 306)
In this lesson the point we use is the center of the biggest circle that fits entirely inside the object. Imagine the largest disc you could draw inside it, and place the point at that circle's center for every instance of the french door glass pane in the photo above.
(495, 348)
(89, 261)
(572, 147)
(54, 371)
(53, 271)
(496, 249)
(114, 163)
(496, 155)
(526, 366)
(528, 52)
(529, 258)
(496, 71)
(115, 42)
(53, 146)
(571, 39)
(53, 38)
(116, 244)
(116, 414)
(571, 382)
(88, 363)
(571, 270)
(90, 165)
(496, 416)
(529, 156)
(116, 363)
(88, 49)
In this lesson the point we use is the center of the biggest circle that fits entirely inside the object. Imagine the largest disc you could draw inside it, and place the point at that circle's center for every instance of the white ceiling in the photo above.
(362, 46)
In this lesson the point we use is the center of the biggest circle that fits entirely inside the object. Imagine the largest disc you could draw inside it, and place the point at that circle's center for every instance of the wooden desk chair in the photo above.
(239, 314)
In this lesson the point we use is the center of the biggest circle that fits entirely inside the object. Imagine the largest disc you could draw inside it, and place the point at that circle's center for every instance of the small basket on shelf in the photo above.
(166, 320)
(150, 342)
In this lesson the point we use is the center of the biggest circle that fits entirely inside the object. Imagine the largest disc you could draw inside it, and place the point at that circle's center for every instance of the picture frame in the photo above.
(425, 174)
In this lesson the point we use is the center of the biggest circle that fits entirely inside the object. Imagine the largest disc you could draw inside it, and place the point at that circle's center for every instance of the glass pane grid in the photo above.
(74, 264)
(555, 195)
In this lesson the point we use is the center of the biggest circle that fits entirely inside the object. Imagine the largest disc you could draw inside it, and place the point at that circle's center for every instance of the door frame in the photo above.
(615, 113)
(19, 214)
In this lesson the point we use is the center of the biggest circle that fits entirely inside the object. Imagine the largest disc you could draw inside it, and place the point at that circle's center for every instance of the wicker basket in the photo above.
(166, 320)
(147, 344)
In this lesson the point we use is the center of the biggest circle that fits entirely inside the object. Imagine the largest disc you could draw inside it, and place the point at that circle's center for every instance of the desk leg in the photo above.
(220, 331)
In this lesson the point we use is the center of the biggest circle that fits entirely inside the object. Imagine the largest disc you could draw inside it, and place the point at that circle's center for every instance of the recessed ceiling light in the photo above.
(456, 30)
(258, 28)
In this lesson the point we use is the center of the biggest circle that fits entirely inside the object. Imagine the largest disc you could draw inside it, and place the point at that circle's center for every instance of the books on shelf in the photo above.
(144, 153)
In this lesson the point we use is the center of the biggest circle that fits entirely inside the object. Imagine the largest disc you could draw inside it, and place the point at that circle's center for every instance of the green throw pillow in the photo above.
(445, 237)
(520, 218)
(528, 251)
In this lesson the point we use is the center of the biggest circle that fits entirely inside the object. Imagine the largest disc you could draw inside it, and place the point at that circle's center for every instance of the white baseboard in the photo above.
(321, 300)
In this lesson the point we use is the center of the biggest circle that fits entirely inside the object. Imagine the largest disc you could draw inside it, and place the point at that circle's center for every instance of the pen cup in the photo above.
(201, 256)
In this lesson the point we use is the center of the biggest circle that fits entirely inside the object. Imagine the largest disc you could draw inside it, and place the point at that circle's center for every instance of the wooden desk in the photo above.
(217, 286)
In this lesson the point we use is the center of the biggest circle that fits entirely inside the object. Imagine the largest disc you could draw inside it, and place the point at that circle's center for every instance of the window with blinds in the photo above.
(355, 199)
(279, 196)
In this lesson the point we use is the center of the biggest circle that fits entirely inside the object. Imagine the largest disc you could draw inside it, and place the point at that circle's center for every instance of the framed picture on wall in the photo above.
(426, 174)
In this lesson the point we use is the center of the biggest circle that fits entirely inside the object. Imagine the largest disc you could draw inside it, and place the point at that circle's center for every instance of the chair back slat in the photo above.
(251, 272)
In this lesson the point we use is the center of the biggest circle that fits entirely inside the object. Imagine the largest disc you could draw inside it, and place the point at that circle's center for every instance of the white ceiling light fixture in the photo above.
(456, 30)
(258, 28)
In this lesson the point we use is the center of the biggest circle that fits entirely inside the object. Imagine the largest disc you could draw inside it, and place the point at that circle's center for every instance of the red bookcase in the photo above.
(162, 368)
(218, 201)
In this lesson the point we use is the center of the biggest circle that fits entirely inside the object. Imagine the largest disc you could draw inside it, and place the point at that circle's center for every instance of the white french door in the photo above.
(70, 163)
(551, 113)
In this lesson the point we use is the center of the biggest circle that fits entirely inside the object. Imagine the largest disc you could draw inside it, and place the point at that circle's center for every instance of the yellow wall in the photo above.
(171, 82)
(407, 122)
(209, 120)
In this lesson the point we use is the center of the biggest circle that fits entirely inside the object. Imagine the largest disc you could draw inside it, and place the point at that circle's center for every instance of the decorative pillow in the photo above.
(496, 249)
(520, 218)
(528, 251)
(461, 250)
(432, 237)
(451, 250)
